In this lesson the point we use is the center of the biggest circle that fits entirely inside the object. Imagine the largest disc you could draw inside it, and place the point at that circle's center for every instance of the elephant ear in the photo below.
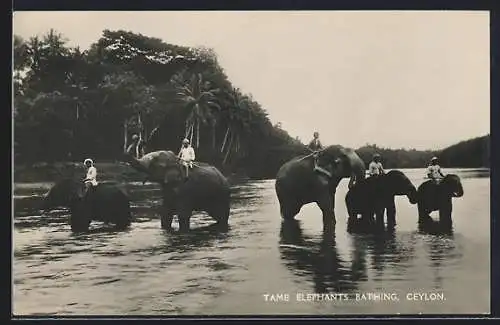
(159, 165)
(352, 164)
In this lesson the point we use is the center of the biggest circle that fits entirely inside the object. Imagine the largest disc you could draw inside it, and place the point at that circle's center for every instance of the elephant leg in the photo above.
(423, 213)
(184, 217)
(352, 214)
(326, 204)
(289, 210)
(184, 223)
(220, 214)
(391, 213)
(379, 217)
(445, 213)
(166, 220)
(80, 222)
(125, 218)
(167, 210)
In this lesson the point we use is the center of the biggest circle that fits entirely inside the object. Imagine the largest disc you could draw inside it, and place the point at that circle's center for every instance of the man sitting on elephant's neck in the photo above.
(91, 178)
(375, 167)
(187, 156)
(434, 171)
(315, 145)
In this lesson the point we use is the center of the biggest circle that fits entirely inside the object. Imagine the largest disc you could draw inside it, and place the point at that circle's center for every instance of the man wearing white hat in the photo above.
(91, 178)
(375, 167)
(434, 170)
(187, 156)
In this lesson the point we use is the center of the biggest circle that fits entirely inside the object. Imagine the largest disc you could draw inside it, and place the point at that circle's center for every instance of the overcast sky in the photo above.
(397, 79)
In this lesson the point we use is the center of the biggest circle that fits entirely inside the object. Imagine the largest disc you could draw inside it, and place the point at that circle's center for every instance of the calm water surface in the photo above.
(147, 271)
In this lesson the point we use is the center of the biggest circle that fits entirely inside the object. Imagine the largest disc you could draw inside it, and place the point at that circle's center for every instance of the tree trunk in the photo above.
(125, 135)
(225, 139)
(228, 149)
(213, 136)
(198, 134)
(139, 123)
(192, 133)
(188, 130)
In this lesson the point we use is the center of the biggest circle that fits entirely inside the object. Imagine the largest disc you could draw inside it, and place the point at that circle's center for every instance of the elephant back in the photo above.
(64, 191)
(206, 172)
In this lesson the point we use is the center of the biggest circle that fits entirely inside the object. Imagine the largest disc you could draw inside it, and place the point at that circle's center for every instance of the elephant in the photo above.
(438, 197)
(299, 182)
(205, 189)
(375, 196)
(104, 202)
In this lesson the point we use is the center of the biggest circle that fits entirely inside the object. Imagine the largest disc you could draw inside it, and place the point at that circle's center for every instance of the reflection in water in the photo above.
(316, 258)
(385, 249)
(206, 237)
(442, 252)
(434, 227)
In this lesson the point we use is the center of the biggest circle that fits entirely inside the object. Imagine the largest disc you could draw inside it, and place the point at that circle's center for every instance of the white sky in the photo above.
(394, 78)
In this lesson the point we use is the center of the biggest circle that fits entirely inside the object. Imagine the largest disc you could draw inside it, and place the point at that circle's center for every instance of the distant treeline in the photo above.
(71, 104)
(473, 153)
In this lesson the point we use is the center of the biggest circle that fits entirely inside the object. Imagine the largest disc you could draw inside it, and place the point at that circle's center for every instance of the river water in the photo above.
(258, 266)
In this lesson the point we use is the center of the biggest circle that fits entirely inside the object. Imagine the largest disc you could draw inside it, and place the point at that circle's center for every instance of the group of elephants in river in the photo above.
(298, 182)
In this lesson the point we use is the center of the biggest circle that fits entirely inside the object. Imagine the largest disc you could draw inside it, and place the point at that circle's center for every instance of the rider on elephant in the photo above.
(375, 167)
(434, 171)
(315, 145)
(91, 178)
(187, 156)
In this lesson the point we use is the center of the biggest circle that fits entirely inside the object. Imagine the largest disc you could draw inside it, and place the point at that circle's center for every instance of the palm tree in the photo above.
(238, 116)
(201, 101)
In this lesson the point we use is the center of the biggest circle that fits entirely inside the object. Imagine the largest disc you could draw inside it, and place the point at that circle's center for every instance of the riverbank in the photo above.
(107, 171)
(116, 171)
(48, 172)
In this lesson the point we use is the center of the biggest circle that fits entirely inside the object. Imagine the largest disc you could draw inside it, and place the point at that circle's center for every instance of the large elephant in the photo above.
(105, 202)
(299, 181)
(375, 196)
(438, 197)
(205, 188)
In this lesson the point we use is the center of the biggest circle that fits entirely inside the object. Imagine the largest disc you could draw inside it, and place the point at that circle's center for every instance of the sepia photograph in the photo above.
(224, 163)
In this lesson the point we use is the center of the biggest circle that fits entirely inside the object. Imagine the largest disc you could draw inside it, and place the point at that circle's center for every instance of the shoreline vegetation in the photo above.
(70, 104)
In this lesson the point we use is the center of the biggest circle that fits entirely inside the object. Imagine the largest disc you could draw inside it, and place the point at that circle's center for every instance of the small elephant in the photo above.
(308, 179)
(438, 197)
(205, 189)
(105, 202)
(375, 196)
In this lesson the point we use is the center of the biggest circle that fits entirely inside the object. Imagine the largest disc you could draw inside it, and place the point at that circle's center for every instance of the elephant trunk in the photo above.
(412, 195)
(459, 193)
(48, 202)
(45, 206)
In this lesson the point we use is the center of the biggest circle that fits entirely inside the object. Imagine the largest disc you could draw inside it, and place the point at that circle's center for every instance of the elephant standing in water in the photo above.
(206, 189)
(104, 202)
(438, 197)
(375, 196)
(299, 181)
